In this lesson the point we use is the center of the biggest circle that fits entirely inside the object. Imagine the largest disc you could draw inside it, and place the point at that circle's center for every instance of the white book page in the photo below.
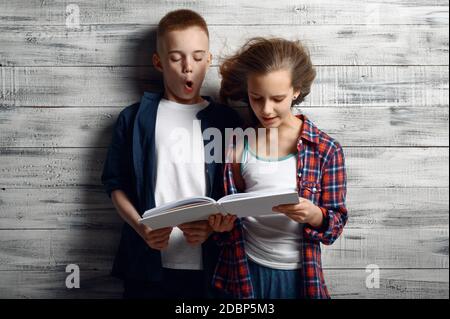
(257, 205)
(239, 196)
(178, 204)
(180, 216)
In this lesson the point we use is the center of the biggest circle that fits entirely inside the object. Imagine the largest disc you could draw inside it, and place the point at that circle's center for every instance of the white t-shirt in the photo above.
(274, 241)
(180, 172)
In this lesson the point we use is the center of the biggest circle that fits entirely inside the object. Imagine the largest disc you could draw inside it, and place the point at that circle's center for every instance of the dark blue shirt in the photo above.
(131, 167)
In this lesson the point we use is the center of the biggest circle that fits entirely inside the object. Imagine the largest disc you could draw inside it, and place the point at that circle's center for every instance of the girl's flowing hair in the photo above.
(260, 56)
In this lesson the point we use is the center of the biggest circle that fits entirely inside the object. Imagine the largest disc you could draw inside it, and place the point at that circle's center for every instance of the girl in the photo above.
(278, 256)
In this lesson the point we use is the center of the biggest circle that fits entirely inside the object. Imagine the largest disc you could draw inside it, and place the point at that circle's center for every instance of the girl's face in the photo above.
(271, 97)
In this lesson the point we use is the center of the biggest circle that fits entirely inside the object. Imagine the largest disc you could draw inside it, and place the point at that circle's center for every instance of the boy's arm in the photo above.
(156, 239)
(113, 169)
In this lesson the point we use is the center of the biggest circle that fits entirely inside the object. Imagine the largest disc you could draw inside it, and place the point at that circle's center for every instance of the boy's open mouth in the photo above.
(189, 84)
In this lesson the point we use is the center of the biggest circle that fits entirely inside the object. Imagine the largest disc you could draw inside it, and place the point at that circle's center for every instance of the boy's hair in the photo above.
(179, 20)
(261, 56)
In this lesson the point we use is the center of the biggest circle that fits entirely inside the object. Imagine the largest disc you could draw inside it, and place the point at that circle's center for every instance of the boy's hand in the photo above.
(156, 239)
(303, 212)
(220, 223)
(196, 232)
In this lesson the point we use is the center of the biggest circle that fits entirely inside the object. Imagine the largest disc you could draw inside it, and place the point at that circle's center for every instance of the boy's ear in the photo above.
(157, 62)
(210, 58)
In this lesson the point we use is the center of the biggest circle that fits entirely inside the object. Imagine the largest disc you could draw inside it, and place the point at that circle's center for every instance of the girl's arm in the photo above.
(323, 223)
(332, 201)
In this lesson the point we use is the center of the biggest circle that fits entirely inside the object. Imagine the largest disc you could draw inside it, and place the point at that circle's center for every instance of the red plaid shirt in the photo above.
(321, 178)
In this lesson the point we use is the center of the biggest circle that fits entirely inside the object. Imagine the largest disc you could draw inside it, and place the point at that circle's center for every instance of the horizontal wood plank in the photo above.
(133, 45)
(247, 12)
(364, 126)
(337, 86)
(342, 283)
(92, 209)
(415, 247)
(366, 167)
(394, 284)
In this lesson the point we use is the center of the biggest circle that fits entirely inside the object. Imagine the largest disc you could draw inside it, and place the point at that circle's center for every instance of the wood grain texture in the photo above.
(78, 208)
(342, 283)
(377, 167)
(336, 86)
(43, 249)
(363, 126)
(394, 284)
(235, 12)
(381, 90)
(123, 45)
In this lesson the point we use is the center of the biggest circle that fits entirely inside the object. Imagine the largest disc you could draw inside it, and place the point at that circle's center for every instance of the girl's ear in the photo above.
(157, 62)
(296, 94)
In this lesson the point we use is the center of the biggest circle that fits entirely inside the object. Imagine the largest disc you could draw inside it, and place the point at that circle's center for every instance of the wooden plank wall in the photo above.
(381, 90)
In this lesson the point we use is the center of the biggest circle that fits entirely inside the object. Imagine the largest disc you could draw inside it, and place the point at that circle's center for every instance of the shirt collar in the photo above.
(310, 132)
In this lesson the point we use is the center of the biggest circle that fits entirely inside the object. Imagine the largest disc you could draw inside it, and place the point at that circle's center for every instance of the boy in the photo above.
(150, 164)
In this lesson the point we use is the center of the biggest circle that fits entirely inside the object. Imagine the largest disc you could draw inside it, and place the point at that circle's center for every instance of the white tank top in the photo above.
(273, 241)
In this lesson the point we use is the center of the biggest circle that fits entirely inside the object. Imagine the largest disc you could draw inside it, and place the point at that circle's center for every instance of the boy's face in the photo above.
(183, 59)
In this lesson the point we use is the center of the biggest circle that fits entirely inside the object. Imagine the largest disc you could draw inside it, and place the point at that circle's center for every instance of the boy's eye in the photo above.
(198, 57)
(175, 58)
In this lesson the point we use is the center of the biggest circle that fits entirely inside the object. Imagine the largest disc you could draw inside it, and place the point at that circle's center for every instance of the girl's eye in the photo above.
(278, 100)
(254, 98)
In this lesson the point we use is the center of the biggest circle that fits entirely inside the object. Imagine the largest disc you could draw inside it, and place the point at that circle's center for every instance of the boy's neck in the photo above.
(194, 100)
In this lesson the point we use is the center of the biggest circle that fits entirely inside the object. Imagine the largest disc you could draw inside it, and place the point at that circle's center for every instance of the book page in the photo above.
(257, 205)
(180, 216)
(238, 196)
(180, 203)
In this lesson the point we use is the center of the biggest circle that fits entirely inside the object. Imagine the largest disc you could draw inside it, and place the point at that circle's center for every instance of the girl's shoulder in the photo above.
(325, 143)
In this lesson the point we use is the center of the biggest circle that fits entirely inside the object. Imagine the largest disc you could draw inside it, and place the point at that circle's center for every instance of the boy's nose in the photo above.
(187, 67)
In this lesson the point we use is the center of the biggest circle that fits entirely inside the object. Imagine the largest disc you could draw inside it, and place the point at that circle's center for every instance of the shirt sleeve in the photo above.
(113, 175)
(332, 202)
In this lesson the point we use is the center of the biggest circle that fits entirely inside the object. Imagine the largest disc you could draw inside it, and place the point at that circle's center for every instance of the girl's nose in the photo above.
(267, 108)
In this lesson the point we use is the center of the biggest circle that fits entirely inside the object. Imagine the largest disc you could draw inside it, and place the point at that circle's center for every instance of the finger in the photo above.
(158, 243)
(296, 217)
(219, 219)
(211, 220)
(159, 236)
(286, 206)
(165, 230)
(198, 223)
(196, 232)
(203, 226)
(195, 239)
(193, 224)
(288, 210)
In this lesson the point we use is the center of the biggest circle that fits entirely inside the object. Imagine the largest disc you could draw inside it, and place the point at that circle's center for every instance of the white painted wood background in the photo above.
(381, 90)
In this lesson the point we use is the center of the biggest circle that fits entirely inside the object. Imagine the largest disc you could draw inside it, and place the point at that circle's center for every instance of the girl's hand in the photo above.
(303, 212)
(220, 223)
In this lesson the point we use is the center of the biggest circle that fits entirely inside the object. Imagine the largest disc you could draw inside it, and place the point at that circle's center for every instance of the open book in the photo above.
(200, 208)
